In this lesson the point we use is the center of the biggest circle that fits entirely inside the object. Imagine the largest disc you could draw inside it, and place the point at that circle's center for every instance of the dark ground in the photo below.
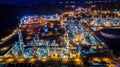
(112, 44)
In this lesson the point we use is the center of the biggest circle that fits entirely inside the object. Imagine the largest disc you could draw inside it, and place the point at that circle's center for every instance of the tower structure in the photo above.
(67, 43)
(36, 39)
(20, 40)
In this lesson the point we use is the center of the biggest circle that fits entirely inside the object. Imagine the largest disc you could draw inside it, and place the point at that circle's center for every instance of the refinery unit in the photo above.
(39, 44)
(66, 37)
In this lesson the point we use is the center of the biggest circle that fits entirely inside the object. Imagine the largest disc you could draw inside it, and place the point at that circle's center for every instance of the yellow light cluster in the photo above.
(74, 55)
(99, 28)
(8, 55)
(20, 60)
(44, 60)
(65, 60)
(1, 59)
(96, 59)
(4, 48)
(105, 59)
(55, 57)
(8, 37)
(78, 61)
(10, 60)
(32, 60)
(100, 46)
(118, 14)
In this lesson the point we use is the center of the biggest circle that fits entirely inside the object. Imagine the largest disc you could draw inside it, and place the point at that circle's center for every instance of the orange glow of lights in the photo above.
(1, 59)
(99, 28)
(100, 46)
(20, 59)
(4, 48)
(106, 59)
(78, 61)
(111, 65)
(51, 25)
(32, 60)
(10, 60)
(54, 56)
(65, 60)
(74, 55)
(44, 60)
(8, 55)
(96, 59)
(118, 14)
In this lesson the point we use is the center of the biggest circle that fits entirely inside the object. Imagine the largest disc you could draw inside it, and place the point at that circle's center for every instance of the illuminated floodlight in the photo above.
(73, 6)
(45, 28)
(79, 8)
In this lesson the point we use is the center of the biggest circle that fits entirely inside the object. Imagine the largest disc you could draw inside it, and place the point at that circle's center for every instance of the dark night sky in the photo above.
(24, 1)
(44, 1)
(30, 2)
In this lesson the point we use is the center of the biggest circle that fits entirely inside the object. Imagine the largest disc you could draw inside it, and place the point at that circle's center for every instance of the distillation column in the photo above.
(21, 43)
